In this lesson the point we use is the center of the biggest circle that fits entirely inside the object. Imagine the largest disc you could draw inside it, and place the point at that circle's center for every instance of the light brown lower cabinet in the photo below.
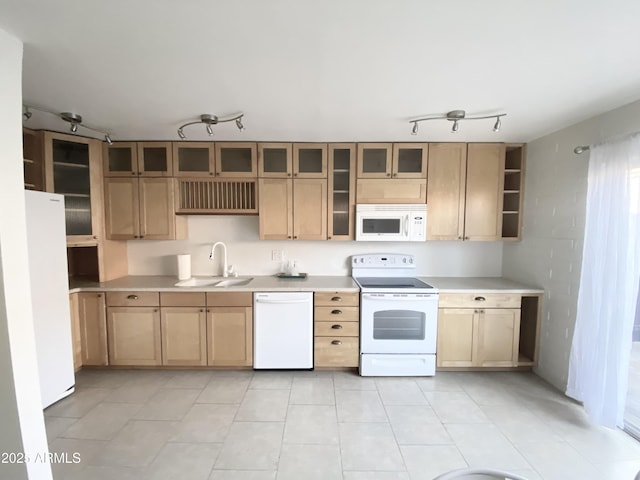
(89, 329)
(336, 318)
(134, 336)
(184, 336)
(481, 337)
(230, 336)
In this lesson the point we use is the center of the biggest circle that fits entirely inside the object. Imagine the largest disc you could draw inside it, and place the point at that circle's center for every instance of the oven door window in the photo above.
(381, 225)
(399, 325)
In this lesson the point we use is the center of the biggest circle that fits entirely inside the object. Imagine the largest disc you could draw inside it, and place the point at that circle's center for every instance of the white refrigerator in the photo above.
(47, 246)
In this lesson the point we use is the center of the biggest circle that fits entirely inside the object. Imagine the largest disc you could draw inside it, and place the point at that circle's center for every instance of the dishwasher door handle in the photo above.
(281, 302)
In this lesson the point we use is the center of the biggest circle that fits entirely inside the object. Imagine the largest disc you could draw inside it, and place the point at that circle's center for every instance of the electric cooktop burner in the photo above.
(391, 282)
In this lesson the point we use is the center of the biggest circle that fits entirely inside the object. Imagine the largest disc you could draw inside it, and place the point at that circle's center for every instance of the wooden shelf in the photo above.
(69, 165)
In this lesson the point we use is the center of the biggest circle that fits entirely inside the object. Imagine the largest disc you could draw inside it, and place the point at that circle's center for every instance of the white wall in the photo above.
(550, 253)
(249, 255)
(23, 428)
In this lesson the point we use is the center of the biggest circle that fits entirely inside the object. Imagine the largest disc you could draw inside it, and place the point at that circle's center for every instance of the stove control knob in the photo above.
(411, 260)
(404, 260)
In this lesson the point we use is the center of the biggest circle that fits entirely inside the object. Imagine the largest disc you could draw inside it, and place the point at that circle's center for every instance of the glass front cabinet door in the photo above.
(72, 166)
(236, 159)
(193, 159)
(342, 189)
(310, 160)
(374, 160)
(409, 160)
(275, 160)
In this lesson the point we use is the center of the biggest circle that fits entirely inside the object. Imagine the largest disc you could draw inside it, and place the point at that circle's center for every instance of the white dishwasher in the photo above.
(283, 330)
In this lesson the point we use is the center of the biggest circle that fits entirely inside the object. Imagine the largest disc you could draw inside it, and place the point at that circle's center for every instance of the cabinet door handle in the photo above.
(388, 174)
(336, 327)
(132, 297)
(201, 310)
(155, 310)
(336, 312)
(479, 299)
(133, 173)
(99, 295)
(336, 342)
(336, 299)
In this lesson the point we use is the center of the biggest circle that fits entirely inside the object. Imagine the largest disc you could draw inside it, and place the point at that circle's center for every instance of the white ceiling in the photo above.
(330, 70)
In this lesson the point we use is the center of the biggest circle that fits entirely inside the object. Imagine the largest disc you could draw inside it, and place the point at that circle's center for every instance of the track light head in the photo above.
(26, 115)
(497, 125)
(74, 127)
(239, 124)
(414, 130)
(210, 130)
(455, 126)
(181, 134)
(107, 138)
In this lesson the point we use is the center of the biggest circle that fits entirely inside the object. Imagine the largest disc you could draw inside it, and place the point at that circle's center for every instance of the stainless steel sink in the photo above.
(214, 282)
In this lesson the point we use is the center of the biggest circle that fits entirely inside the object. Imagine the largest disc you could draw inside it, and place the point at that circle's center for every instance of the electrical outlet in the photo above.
(277, 255)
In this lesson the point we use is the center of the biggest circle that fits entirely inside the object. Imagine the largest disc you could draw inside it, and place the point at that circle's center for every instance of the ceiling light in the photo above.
(210, 120)
(456, 116)
(74, 119)
(581, 149)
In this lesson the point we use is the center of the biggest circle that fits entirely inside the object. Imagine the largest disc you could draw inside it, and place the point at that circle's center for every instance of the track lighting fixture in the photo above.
(456, 116)
(74, 119)
(210, 120)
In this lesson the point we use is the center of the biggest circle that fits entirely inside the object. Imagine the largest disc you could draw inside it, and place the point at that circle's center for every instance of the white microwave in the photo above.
(391, 223)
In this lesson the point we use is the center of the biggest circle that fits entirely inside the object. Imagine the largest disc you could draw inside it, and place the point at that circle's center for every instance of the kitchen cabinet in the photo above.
(229, 329)
(236, 159)
(275, 160)
(146, 159)
(465, 191)
(73, 169)
(76, 342)
(33, 159)
(336, 329)
(193, 159)
(398, 160)
(310, 160)
(89, 309)
(142, 208)
(513, 191)
(293, 209)
(183, 321)
(341, 191)
(133, 328)
(484, 330)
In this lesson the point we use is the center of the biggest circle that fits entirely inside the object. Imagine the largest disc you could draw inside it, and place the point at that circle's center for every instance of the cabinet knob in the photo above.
(217, 173)
(336, 299)
(466, 238)
(336, 327)
(476, 311)
(208, 310)
(95, 237)
(388, 174)
(201, 310)
(479, 299)
(295, 174)
(155, 310)
(288, 174)
(99, 295)
(289, 236)
(336, 342)
(459, 238)
(395, 174)
(141, 236)
(133, 173)
(139, 173)
(336, 312)
(328, 238)
(295, 237)
(132, 297)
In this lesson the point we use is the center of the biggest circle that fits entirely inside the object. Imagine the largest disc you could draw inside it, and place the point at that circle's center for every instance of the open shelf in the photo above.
(512, 193)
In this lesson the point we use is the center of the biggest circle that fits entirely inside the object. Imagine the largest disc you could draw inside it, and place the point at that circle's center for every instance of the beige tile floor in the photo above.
(244, 425)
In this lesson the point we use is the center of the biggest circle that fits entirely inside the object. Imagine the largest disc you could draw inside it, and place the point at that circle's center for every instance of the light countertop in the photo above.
(314, 283)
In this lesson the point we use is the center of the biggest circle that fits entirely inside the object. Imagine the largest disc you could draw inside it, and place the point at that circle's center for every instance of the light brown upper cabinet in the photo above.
(73, 169)
(142, 208)
(275, 160)
(236, 159)
(146, 159)
(310, 160)
(465, 191)
(293, 209)
(341, 191)
(513, 191)
(397, 160)
(374, 160)
(193, 159)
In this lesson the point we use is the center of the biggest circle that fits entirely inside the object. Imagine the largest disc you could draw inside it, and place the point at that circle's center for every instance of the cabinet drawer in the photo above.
(344, 329)
(475, 300)
(337, 313)
(179, 299)
(133, 299)
(229, 299)
(336, 352)
(337, 298)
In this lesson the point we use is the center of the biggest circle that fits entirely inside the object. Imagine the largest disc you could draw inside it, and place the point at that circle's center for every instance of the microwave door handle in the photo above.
(406, 225)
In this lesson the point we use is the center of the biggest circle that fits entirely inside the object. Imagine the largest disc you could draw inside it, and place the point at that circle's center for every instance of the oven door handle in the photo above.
(392, 297)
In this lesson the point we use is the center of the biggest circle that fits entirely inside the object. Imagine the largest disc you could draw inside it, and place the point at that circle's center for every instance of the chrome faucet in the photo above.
(225, 268)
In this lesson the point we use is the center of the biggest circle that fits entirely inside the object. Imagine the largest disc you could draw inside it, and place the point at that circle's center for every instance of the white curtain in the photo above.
(601, 348)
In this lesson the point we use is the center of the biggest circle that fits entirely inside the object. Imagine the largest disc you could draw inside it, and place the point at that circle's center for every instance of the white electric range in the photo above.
(398, 316)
